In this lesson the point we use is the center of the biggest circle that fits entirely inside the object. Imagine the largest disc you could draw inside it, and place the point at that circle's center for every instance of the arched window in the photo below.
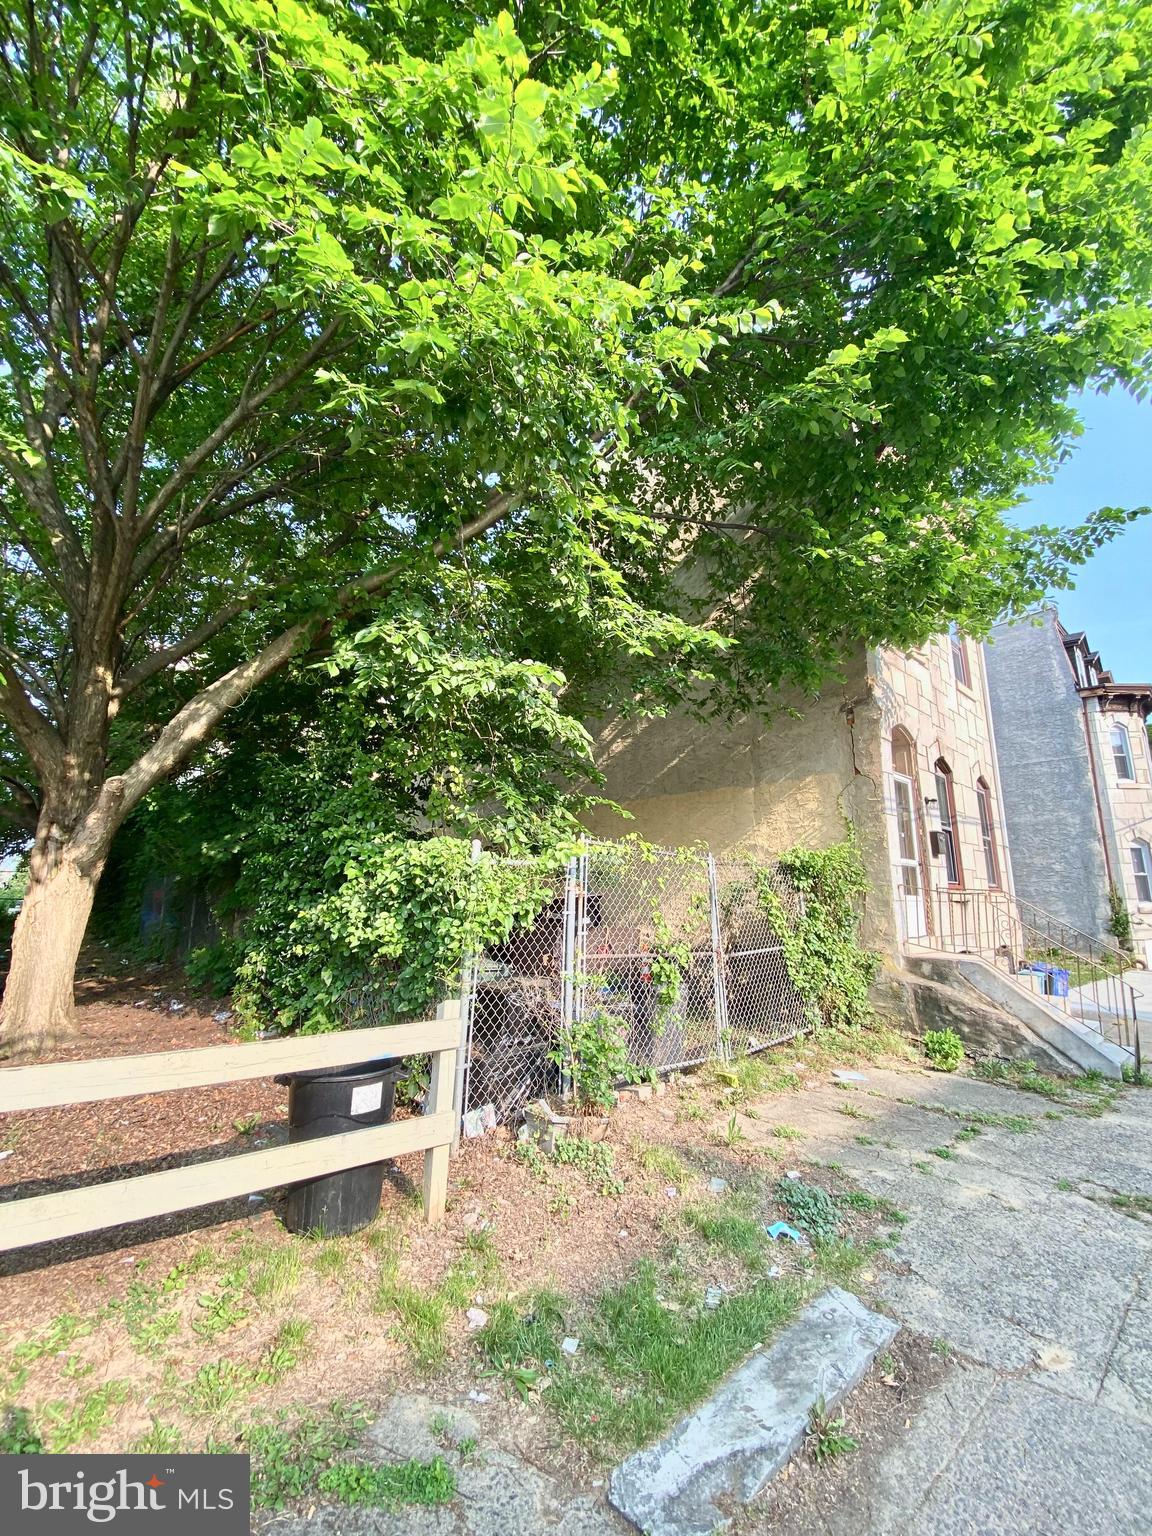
(1122, 752)
(961, 669)
(988, 833)
(903, 753)
(1142, 869)
(948, 824)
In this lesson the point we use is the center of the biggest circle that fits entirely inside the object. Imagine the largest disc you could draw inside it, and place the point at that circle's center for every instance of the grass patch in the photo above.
(854, 1112)
(726, 1227)
(422, 1316)
(309, 1457)
(641, 1364)
(861, 1200)
(663, 1162)
(788, 1133)
(64, 1425)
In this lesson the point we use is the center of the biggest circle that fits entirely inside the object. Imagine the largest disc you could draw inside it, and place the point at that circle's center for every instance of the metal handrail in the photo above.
(1070, 969)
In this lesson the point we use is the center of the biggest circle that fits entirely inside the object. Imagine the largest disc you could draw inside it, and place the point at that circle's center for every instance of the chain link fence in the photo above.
(678, 948)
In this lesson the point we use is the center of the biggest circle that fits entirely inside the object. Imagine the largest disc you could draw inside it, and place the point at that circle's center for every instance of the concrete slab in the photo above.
(723, 1454)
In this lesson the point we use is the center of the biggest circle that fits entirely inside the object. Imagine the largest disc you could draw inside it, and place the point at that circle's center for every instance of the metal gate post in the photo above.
(719, 977)
(468, 973)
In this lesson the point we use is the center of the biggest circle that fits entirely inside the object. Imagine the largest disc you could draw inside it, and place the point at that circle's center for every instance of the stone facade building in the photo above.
(901, 750)
(1077, 777)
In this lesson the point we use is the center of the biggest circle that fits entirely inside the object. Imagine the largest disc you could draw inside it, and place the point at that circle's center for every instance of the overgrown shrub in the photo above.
(826, 962)
(594, 1053)
(944, 1049)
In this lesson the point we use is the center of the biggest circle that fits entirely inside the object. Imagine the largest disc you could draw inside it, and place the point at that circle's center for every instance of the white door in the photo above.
(910, 887)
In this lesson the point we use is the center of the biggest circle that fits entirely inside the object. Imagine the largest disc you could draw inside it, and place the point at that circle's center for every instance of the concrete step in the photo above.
(723, 1454)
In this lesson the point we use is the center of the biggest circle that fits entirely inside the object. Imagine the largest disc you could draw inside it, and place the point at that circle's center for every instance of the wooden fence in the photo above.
(44, 1218)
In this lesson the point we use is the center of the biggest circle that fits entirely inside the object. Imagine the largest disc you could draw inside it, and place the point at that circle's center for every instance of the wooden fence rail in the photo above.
(44, 1218)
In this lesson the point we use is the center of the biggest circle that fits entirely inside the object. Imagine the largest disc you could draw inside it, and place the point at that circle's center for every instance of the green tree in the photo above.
(715, 337)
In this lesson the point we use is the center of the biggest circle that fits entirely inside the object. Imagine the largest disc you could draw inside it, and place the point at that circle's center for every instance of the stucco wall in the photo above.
(1049, 806)
(757, 786)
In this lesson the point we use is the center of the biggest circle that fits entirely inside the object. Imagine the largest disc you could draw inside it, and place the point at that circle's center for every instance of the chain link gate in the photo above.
(676, 946)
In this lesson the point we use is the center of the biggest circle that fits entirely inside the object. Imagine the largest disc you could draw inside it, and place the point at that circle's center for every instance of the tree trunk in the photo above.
(38, 1005)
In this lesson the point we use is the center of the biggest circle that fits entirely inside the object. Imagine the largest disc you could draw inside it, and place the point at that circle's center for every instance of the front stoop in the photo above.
(720, 1457)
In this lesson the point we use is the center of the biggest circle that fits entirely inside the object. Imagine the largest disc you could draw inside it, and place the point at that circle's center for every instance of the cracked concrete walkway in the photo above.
(1014, 1256)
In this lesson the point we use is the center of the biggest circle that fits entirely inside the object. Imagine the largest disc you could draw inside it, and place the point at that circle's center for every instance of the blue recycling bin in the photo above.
(1054, 980)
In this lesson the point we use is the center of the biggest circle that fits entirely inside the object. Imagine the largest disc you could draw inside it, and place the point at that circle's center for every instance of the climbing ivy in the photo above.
(826, 962)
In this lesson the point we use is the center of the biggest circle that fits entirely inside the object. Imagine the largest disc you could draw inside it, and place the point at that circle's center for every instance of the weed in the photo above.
(219, 1385)
(788, 1133)
(969, 1133)
(944, 1049)
(390, 1486)
(222, 1310)
(854, 1112)
(596, 1160)
(944, 1152)
(72, 1368)
(810, 1207)
(733, 1134)
(283, 1353)
(287, 1461)
(61, 1332)
(467, 1447)
(860, 1200)
(441, 1424)
(160, 1440)
(63, 1425)
(532, 1158)
(331, 1259)
(864, 1141)
(942, 1348)
(922, 1167)
(18, 1435)
(826, 1435)
(1140, 1205)
(246, 1124)
(1065, 1185)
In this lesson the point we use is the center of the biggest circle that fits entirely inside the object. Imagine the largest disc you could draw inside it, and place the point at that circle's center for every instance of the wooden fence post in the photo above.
(438, 1102)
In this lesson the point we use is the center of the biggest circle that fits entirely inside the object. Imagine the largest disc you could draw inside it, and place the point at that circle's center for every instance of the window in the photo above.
(903, 754)
(1122, 752)
(947, 801)
(960, 667)
(1142, 869)
(987, 833)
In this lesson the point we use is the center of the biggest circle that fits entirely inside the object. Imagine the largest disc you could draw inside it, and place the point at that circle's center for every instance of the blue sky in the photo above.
(1111, 466)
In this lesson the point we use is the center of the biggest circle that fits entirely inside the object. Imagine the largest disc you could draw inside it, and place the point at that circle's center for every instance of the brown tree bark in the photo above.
(65, 866)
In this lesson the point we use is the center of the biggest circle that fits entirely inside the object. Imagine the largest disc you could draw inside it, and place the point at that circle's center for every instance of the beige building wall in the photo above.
(817, 766)
(1127, 803)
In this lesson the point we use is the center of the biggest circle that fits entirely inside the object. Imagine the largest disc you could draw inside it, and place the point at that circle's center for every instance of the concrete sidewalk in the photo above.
(1015, 1256)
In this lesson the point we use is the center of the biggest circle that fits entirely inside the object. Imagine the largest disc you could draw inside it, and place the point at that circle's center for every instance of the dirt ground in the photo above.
(157, 1313)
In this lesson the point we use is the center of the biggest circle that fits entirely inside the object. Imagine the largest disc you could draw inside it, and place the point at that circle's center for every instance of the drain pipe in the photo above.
(1090, 743)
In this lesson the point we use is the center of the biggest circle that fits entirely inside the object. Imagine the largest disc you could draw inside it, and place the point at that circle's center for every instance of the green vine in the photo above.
(1119, 919)
(825, 961)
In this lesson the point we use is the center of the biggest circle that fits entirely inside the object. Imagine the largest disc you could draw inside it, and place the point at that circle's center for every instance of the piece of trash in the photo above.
(222, 1015)
(488, 1117)
(780, 1229)
(623, 1232)
(473, 1125)
(176, 1006)
(257, 1200)
(477, 1317)
(3, 1155)
(141, 1002)
(671, 1191)
(713, 1296)
(793, 1173)
(569, 1346)
(1051, 1358)
(717, 1186)
(479, 1397)
(775, 1272)
(844, 1076)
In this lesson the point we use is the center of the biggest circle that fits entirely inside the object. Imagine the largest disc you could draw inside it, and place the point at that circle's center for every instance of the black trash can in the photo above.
(325, 1104)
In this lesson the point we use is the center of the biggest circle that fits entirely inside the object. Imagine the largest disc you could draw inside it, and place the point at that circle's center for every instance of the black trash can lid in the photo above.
(359, 1072)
